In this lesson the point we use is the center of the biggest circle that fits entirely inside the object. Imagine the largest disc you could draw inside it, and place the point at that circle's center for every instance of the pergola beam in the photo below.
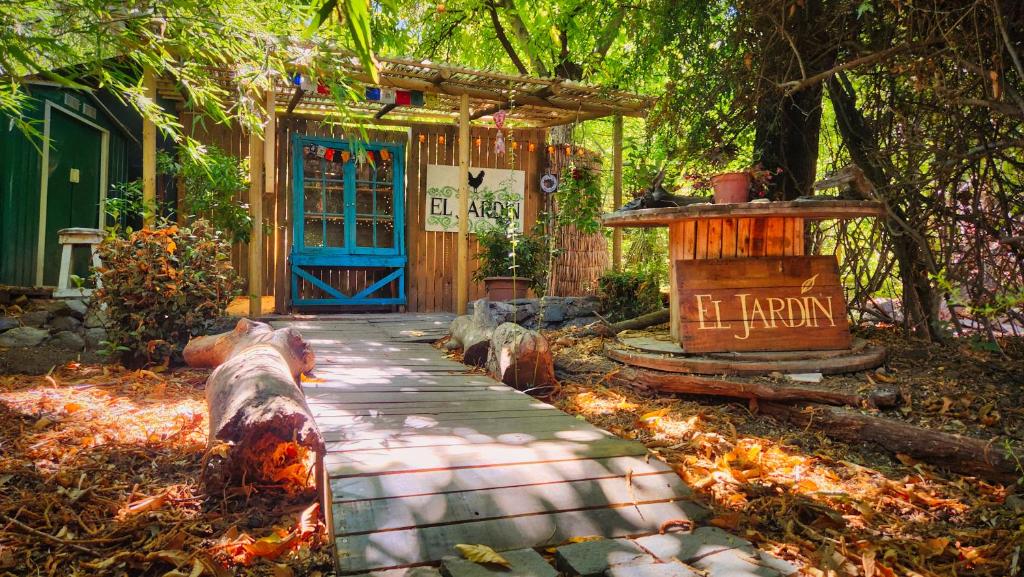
(617, 189)
(149, 152)
(386, 109)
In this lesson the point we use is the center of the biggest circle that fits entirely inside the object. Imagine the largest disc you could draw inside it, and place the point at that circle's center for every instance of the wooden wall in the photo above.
(430, 273)
(431, 269)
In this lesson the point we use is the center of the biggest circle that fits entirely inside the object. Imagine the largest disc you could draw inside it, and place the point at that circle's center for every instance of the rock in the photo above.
(78, 308)
(552, 310)
(56, 308)
(687, 546)
(673, 569)
(95, 336)
(35, 318)
(583, 306)
(1015, 503)
(67, 323)
(68, 340)
(592, 558)
(718, 553)
(522, 563)
(8, 323)
(520, 357)
(23, 337)
(95, 318)
(805, 377)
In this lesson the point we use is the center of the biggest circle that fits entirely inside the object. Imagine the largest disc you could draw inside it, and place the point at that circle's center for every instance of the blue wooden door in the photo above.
(349, 228)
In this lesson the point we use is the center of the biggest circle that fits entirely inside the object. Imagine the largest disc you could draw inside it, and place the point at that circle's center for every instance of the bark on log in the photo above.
(472, 333)
(254, 395)
(605, 329)
(953, 452)
(520, 357)
(663, 382)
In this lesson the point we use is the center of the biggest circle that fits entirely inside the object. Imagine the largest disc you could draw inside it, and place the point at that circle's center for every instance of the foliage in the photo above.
(212, 183)
(161, 287)
(124, 205)
(193, 43)
(504, 252)
(629, 294)
(580, 199)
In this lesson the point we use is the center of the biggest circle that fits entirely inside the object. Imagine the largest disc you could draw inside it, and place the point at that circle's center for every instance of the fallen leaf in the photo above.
(310, 379)
(729, 521)
(585, 539)
(481, 554)
(73, 407)
(143, 506)
(934, 547)
(42, 423)
(281, 570)
(654, 415)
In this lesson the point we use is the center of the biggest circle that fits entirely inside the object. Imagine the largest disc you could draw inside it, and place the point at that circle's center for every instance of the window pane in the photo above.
(385, 234)
(335, 198)
(384, 169)
(313, 232)
(335, 232)
(364, 232)
(385, 200)
(364, 198)
(312, 167)
(311, 196)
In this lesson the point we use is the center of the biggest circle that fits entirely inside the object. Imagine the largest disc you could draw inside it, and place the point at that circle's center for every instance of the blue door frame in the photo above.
(385, 250)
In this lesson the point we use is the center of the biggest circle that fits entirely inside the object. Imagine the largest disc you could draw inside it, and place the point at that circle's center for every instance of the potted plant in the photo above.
(736, 186)
(511, 263)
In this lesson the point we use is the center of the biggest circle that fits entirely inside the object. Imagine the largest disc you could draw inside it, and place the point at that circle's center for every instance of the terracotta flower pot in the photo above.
(506, 288)
(731, 187)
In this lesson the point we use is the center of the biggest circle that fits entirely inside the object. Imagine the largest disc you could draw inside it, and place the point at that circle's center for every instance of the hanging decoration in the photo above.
(499, 122)
(303, 82)
(385, 154)
(549, 183)
(393, 96)
(322, 89)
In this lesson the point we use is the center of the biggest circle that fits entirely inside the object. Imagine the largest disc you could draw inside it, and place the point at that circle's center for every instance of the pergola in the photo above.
(454, 95)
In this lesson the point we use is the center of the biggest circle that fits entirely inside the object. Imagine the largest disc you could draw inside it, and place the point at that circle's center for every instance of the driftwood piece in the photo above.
(760, 363)
(472, 333)
(605, 329)
(255, 401)
(953, 452)
(684, 383)
(520, 357)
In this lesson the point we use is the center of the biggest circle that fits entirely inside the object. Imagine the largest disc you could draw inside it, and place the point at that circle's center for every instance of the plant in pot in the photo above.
(511, 263)
(736, 186)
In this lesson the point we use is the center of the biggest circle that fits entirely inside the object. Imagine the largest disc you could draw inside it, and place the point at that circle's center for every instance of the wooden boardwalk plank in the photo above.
(424, 453)
(515, 475)
(390, 549)
(377, 461)
(405, 512)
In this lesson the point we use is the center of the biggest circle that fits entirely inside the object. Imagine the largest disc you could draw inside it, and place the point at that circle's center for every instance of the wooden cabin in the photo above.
(364, 213)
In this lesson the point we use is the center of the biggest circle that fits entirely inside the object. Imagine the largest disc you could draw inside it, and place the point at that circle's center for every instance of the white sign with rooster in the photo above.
(492, 192)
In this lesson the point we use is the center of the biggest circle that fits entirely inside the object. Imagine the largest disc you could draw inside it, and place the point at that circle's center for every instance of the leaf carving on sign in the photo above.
(808, 285)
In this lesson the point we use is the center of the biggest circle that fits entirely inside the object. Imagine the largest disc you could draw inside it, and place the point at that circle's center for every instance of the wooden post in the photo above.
(617, 189)
(462, 252)
(149, 152)
(256, 237)
(270, 189)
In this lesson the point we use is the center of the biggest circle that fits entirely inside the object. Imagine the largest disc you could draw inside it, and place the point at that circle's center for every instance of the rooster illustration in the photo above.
(475, 181)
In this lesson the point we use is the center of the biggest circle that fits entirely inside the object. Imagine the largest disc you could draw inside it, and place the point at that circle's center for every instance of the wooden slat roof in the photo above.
(529, 101)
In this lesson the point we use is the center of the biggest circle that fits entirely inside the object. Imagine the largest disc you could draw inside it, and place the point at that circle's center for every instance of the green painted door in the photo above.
(73, 188)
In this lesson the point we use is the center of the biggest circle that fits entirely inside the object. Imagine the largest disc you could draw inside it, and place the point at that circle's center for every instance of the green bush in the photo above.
(161, 287)
(629, 294)
(212, 183)
(504, 253)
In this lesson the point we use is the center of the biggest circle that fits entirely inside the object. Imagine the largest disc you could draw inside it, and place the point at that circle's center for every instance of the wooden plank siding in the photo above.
(430, 272)
(431, 268)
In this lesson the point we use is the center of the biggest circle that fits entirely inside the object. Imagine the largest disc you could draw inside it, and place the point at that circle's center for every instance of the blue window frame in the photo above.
(349, 214)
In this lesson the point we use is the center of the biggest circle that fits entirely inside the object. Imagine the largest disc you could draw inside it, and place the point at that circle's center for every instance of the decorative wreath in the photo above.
(549, 183)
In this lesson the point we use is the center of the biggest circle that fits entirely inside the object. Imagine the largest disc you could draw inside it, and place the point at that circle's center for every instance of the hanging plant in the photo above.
(580, 199)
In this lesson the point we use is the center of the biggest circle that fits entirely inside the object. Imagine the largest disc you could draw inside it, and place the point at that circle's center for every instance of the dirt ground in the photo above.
(838, 509)
(41, 359)
(99, 475)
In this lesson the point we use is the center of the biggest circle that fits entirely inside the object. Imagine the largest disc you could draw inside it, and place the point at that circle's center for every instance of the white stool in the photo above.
(68, 238)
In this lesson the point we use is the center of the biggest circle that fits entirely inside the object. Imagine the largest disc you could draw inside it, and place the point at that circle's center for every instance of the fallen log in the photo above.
(603, 328)
(472, 333)
(953, 452)
(662, 382)
(520, 357)
(261, 429)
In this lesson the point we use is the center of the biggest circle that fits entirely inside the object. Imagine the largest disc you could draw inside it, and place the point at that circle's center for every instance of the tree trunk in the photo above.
(954, 452)
(261, 430)
(520, 358)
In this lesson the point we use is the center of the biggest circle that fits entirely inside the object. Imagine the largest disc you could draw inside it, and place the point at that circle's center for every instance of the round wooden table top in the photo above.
(805, 209)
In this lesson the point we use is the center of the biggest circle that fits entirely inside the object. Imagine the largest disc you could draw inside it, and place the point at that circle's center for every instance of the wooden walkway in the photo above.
(423, 453)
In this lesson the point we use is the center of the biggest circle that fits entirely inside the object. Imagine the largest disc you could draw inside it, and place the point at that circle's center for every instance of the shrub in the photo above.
(212, 183)
(629, 294)
(161, 287)
(504, 253)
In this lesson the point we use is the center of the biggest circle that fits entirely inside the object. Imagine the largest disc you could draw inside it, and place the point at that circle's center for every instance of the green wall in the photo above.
(20, 176)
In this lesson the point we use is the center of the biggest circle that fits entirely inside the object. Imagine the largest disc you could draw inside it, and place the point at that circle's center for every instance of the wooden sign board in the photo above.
(788, 303)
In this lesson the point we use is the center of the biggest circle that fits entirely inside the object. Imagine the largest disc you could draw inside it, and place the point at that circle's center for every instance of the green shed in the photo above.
(85, 148)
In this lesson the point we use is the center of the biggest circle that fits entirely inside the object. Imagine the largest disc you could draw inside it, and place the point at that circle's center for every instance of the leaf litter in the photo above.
(836, 509)
(99, 475)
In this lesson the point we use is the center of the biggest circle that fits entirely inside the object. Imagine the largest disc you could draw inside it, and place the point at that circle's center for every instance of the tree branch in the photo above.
(503, 39)
(798, 85)
(609, 33)
(523, 36)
